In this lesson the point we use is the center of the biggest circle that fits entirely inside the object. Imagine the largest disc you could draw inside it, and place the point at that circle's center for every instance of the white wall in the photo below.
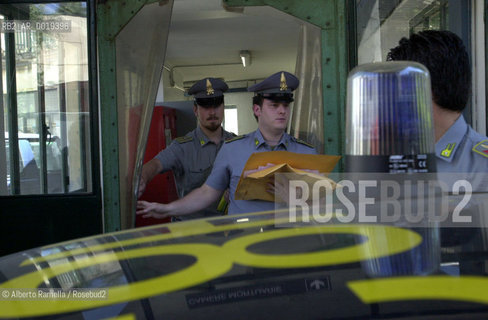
(243, 101)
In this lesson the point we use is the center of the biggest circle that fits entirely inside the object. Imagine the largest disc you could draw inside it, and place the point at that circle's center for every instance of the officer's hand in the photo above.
(227, 196)
(142, 187)
(152, 209)
(280, 188)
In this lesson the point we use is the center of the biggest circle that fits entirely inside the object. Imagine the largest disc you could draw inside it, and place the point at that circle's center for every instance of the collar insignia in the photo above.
(447, 152)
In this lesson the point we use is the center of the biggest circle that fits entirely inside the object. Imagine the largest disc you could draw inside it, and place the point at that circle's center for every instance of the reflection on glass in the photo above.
(382, 23)
(45, 111)
(433, 17)
(140, 58)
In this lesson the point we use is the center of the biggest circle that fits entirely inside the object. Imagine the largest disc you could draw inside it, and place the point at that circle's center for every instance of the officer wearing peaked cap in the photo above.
(277, 87)
(272, 111)
(191, 157)
(209, 91)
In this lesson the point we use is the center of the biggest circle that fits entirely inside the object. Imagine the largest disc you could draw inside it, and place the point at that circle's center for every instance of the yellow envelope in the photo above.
(254, 185)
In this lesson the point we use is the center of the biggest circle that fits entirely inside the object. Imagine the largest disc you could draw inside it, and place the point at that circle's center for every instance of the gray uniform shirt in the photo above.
(462, 153)
(232, 158)
(191, 158)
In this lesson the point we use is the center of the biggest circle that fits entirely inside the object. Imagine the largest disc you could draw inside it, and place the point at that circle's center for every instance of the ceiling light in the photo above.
(245, 57)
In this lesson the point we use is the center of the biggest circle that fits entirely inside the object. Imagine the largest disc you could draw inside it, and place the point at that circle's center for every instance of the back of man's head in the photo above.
(445, 56)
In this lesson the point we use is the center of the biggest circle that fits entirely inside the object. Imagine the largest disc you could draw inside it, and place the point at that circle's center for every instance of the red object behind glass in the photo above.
(162, 188)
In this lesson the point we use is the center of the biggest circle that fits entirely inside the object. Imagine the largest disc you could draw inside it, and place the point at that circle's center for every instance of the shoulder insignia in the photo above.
(184, 139)
(303, 142)
(481, 148)
(229, 135)
(235, 138)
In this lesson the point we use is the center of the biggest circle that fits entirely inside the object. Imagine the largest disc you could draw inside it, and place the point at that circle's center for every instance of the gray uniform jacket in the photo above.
(232, 158)
(462, 153)
(191, 158)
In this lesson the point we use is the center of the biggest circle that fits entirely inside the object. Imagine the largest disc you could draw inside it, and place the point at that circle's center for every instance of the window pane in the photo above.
(45, 112)
(382, 23)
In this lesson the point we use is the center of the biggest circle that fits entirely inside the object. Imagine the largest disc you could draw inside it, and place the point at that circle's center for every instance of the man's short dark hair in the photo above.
(257, 99)
(445, 56)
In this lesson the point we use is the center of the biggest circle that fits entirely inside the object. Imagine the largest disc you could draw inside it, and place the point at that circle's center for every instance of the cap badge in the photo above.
(210, 90)
(283, 86)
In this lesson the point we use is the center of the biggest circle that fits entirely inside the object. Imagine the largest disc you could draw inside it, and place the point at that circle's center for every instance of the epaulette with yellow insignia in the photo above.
(481, 148)
(184, 139)
(303, 142)
(235, 138)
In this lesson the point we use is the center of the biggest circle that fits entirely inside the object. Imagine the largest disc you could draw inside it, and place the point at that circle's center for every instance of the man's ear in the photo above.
(195, 109)
(256, 109)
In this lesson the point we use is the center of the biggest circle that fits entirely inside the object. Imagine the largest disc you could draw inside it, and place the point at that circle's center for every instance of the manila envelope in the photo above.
(254, 185)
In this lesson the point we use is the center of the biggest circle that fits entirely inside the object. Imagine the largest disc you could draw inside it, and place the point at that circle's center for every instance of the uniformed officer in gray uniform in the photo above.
(191, 157)
(461, 149)
(272, 111)
(274, 93)
(461, 152)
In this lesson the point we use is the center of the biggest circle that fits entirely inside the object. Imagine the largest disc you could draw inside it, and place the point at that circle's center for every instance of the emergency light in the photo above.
(389, 119)
(390, 137)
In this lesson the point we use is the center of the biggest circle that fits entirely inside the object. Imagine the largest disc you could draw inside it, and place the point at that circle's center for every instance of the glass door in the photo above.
(48, 122)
